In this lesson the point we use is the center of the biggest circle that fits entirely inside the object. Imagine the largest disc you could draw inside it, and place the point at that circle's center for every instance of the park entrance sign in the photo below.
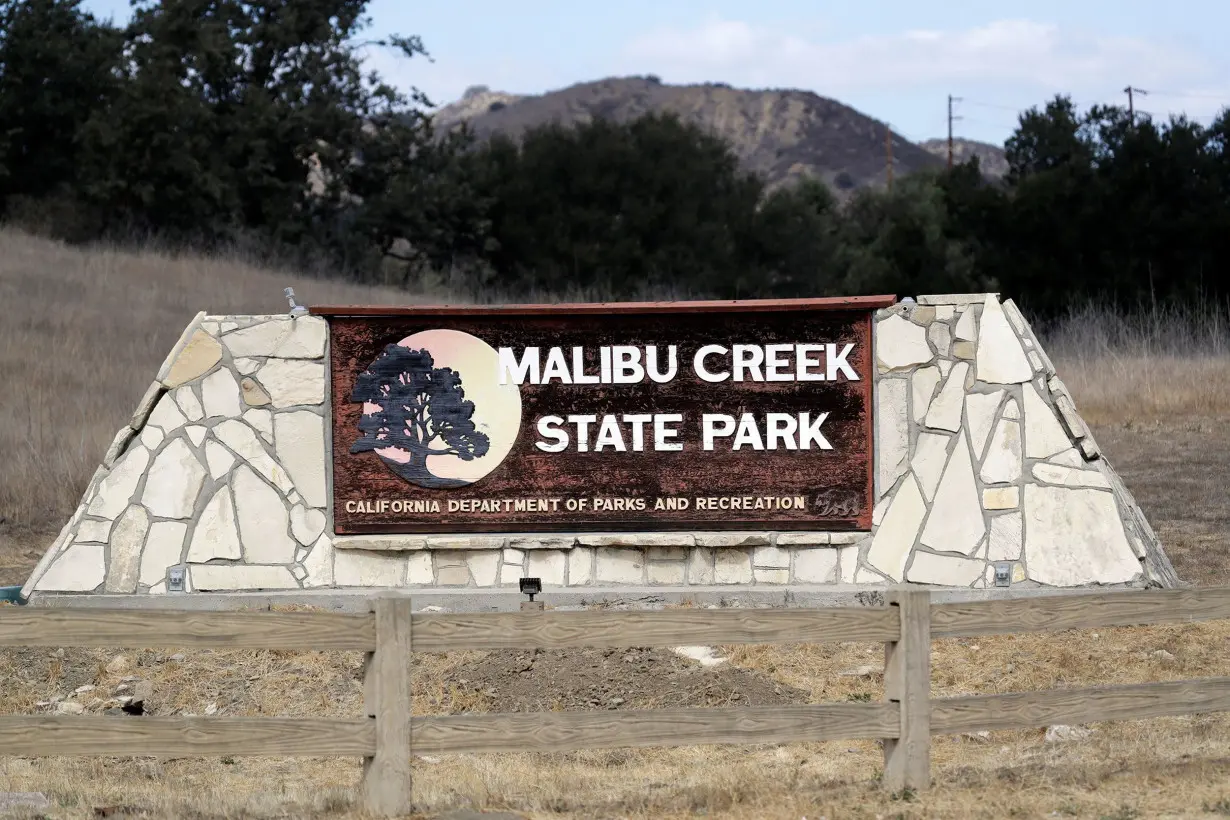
(603, 417)
(711, 452)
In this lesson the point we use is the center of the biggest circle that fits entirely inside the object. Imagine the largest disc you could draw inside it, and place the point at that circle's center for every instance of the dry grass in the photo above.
(81, 333)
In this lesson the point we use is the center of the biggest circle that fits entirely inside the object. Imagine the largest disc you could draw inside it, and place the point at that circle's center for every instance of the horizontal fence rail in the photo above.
(386, 734)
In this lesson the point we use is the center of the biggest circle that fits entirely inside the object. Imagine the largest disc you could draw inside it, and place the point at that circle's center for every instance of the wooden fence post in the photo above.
(386, 697)
(907, 682)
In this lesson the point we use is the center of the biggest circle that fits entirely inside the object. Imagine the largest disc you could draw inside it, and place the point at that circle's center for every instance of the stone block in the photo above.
(163, 547)
(543, 542)
(151, 437)
(118, 445)
(922, 390)
(803, 539)
(1000, 357)
(301, 337)
(419, 571)
(620, 566)
(964, 350)
(945, 410)
(127, 540)
(380, 543)
(901, 344)
(771, 576)
(1001, 498)
(166, 415)
(201, 353)
(116, 490)
(954, 299)
(1002, 464)
(847, 560)
(944, 570)
(513, 556)
(1006, 537)
(666, 553)
(188, 404)
(940, 337)
(352, 568)
(731, 539)
(292, 383)
(306, 524)
(843, 538)
(581, 566)
(242, 440)
(144, 407)
(666, 573)
(80, 568)
(228, 577)
(484, 567)
(1044, 437)
(955, 523)
(815, 565)
(894, 539)
(1075, 537)
(892, 432)
(466, 542)
(641, 540)
(196, 434)
(732, 567)
(174, 482)
(300, 440)
(548, 565)
(967, 326)
(1069, 477)
(264, 521)
(253, 394)
(922, 315)
(319, 564)
(216, 534)
(220, 395)
(930, 456)
(771, 557)
(219, 459)
(944, 313)
(700, 566)
(93, 532)
(980, 409)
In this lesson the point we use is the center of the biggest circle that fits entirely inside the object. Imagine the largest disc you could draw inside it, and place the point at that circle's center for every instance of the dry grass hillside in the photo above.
(780, 134)
(82, 331)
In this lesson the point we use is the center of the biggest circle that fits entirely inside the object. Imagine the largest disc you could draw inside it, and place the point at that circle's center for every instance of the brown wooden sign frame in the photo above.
(359, 333)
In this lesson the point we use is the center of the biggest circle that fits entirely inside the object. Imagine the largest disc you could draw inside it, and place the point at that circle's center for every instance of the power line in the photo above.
(951, 100)
(1130, 91)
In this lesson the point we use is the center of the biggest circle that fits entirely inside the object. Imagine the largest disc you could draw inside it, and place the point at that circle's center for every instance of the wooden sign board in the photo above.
(603, 417)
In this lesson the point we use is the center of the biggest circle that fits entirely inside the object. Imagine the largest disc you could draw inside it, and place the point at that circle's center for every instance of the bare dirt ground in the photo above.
(72, 362)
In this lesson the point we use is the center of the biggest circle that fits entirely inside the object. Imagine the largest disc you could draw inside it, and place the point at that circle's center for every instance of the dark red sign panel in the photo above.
(663, 416)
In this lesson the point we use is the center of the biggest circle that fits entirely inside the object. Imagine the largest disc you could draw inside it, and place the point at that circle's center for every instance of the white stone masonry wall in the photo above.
(981, 458)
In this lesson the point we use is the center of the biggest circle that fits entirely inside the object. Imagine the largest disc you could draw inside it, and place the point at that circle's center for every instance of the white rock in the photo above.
(93, 532)
(242, 440)
(1001, 498)
(127, 539)
(1075, 537)
(188, 403)
(666, 553)
(620, 566)
(1000, 357)
(930, 456)
(817, 565)
(291, 383)
(1069, 458)
(922, 388)
(262, 422)
(300, 438)
(940, 336)
(196, 434)
(512, 574)
(944, 312)
(670, 573)
(1044, 437)
(513, 556)
(306, 524)
(151, 437)
(1061, 733)
(700, 566)
(216, 534)
(263, 520)
(804, 539)
(900, 343)
(484, 567)
(224, 577)
(319, 564)
(1002, 464)
(166, 414)
(944, 570)
(945, 365)
(1068, 477)
(116, 490)
(770, 576)
(81, 568)
(731, 539)
(221, 395)
(945, 411)
(892, 542)
(377, 543)
(955, 523)
(664, 539)
(353, 568)
(580, 566)
(862, 575)
(848, 559)
(419, 571)
(247, 367)
(219, 459)
(174, 482)
(732, 567)
(163, 546)
(704, 655)
(1006, 537)
(980, 417)
(771, 557)
(472, 542)
(548, 565)
(967, 328)
(892, 432)
(298, 338)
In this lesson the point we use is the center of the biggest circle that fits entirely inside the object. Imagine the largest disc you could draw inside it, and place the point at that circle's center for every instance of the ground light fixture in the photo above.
(531, 587)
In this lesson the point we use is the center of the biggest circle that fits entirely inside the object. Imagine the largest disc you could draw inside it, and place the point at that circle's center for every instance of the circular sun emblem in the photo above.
(434, 410)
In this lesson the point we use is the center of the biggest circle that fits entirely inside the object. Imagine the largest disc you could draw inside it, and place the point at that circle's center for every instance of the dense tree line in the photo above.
(208, 123)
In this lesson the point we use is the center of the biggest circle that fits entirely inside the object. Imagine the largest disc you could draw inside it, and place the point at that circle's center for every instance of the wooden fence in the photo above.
(386, 734)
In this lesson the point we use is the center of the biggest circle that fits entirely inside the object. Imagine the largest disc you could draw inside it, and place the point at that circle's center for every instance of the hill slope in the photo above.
(991, 158)
(780, 134)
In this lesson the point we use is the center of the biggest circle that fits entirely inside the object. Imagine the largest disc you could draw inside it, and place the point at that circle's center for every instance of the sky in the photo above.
(896, 60)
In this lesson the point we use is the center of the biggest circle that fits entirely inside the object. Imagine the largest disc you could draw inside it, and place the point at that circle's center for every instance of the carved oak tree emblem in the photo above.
(421, 412)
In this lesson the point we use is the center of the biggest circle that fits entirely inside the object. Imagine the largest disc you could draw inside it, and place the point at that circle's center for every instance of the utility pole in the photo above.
(888, 153)
(951, 100)
(1132, 102)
